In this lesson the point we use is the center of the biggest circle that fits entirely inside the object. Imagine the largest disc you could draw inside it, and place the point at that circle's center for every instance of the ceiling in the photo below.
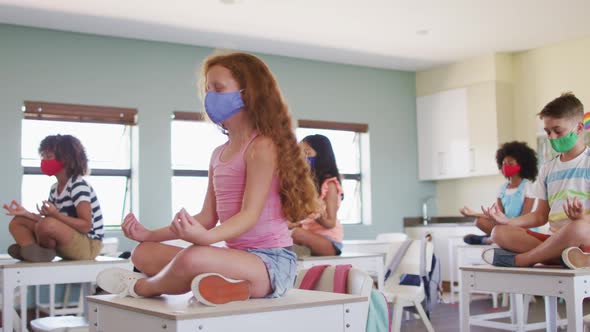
(407, 35)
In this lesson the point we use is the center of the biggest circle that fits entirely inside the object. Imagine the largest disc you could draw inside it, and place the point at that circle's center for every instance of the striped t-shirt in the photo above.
(558, 180)
(78, 190)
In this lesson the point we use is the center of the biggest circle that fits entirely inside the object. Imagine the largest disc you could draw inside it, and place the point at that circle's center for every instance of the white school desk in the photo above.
(297, 311)
(15, 273)
(571, 285)
(369, 262)
(461, 254)
(366, 246)
(466, 255)
(372, 247)
(16, 321)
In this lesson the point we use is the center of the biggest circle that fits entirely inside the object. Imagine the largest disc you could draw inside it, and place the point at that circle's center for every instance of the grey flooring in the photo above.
(445, 317)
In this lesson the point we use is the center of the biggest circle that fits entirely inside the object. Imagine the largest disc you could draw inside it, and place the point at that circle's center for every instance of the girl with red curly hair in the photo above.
(258, 182)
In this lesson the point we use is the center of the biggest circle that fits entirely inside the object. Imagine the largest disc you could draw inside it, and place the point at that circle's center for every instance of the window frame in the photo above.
(362, 177)
(37, 110)
(191, 117)
(183, 172)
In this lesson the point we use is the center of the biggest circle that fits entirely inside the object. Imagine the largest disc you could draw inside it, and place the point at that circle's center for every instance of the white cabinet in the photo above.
(483, 129)
(443, 135)
(458, 132)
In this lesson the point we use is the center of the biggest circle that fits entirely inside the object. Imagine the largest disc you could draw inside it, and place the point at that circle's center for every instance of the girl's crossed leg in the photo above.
(175, 277)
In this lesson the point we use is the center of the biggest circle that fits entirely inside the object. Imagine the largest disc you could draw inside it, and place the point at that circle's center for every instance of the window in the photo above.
(193, 142)
(347, 141)
(105, 134)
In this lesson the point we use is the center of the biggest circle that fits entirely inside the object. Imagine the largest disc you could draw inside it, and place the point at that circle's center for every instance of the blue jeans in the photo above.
(281, 264)
(337, 245)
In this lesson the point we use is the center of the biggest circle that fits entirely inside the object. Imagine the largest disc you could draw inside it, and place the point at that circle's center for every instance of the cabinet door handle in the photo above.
(472, 160)
(441, 163)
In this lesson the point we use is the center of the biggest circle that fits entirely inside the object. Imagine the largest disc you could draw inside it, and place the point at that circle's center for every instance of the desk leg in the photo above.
(23, 308)
(551, 313)
(380, 267)
(8, 286)
(513, 308)
(464, 299)
(573, 304)
(86, 289)
(458, 261)
(518, 299)
(452, 270)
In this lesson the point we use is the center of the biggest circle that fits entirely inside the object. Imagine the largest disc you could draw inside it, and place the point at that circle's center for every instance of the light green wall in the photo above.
(158, 78)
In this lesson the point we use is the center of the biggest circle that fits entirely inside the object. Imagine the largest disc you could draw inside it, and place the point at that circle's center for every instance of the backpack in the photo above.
(432, 286)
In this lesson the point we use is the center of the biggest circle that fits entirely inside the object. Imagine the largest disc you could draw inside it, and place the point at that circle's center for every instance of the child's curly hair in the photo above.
(524, 156)
(69, 150)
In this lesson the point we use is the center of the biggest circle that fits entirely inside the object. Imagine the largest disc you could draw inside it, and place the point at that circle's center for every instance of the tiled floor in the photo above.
(445, 317)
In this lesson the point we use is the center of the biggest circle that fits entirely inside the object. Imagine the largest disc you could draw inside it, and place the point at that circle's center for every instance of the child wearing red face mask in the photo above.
(518, 163)
(69, 223)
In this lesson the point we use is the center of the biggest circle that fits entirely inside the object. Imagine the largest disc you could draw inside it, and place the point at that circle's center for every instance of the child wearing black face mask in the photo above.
(518, 164)
(69, 223)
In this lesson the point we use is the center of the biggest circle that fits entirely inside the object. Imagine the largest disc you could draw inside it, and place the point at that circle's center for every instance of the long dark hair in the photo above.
(324, 165)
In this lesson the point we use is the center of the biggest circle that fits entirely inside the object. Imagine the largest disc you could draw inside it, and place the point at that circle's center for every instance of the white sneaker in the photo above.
(119, 281)
(575, 258)
(488, 256)
(213, 289)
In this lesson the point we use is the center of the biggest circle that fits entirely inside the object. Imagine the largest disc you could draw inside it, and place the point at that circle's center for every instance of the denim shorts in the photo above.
(337, 245)
(281, 264)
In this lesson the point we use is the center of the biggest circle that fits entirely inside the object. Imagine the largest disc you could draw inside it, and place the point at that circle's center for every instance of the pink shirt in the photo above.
(335, 233)
(229, 184)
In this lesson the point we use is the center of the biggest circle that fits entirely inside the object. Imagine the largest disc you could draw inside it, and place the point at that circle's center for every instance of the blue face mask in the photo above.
(311, 161)
(221, 106)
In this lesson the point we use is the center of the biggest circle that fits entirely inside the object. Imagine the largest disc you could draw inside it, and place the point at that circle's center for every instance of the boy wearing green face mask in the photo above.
(562, 190)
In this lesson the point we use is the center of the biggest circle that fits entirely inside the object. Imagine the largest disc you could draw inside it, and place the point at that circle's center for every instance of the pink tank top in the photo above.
(335, 233)
(229, 184)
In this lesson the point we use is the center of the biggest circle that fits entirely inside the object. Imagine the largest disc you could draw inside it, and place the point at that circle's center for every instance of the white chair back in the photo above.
(417, 260)
(394, 247)
(110, 245)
